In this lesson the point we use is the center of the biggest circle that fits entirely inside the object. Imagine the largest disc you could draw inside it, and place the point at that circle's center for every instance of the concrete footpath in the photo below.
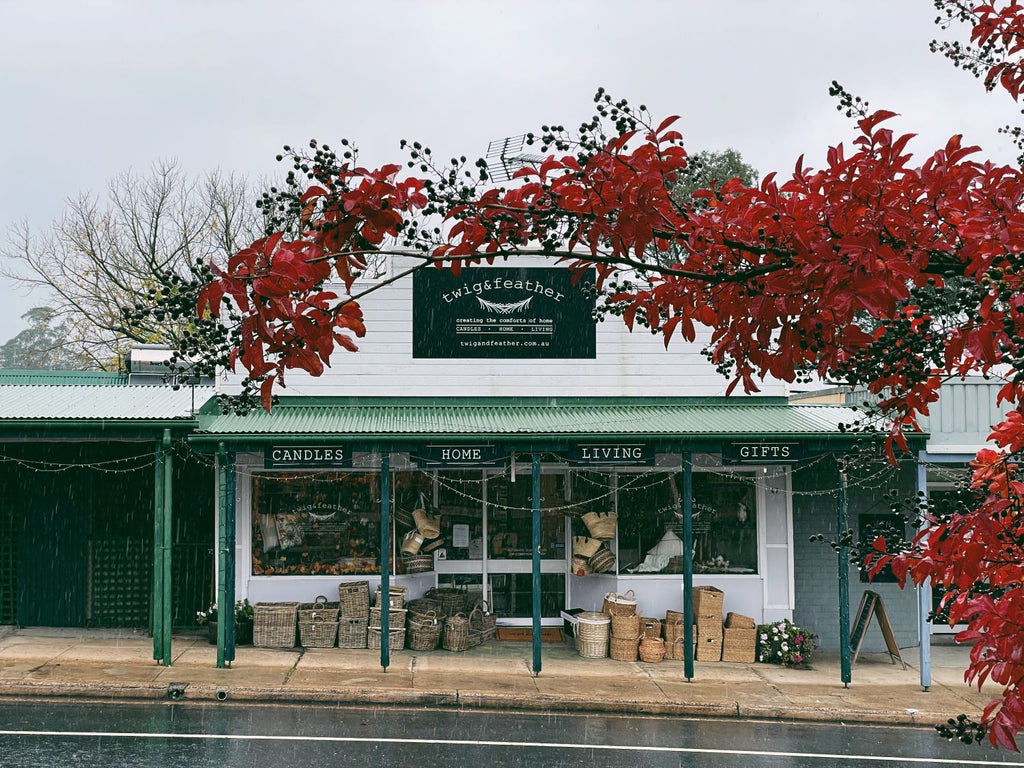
(118, 665)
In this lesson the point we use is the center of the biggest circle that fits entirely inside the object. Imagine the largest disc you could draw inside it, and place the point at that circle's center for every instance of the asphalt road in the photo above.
(52, 734)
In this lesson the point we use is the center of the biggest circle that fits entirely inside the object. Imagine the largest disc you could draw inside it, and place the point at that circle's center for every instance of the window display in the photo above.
(315, 523)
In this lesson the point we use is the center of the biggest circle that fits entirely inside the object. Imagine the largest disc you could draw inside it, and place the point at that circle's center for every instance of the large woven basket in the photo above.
(480, 618)
(411, 543)
(623, 648)
(456, 633)
(619, 605)
(351, 633)
(319, 610)
(396, 617)
(396, 638)
(396, 596)
(592, 634)
(652, 649)
(418, 563)
(354, 597)
(584, 546)
(601, 524)
(602, 561)
(650, 627)
(707, 602)
(674, 635)
(625, 627)
(424, 607)
(424, 634)
(273, 625)
(452, 600)
(427, 524)
(318, 633)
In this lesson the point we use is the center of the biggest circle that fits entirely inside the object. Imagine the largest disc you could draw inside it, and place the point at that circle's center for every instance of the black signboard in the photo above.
(755, 452)
(502, 312)
(458, 455)
(612, 454)
(307, 456)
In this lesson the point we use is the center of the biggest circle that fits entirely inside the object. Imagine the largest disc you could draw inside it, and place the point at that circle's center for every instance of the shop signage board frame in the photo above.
(761, 452)
(285, 456)
(871, 605)
(612, 454)
(503, 313)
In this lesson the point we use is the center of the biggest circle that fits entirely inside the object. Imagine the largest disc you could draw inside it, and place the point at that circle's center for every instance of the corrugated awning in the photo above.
(411, 418)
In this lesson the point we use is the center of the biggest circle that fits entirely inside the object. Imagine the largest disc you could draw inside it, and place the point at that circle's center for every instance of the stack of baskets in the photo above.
(674, 635)
(707, 610)
(592, 634)
(652, 646)
(318, 623)
(273, 625)
(590, 553)
(425, 623)
(396, 619)
(739, 640)
(625, 637)
(354, 610)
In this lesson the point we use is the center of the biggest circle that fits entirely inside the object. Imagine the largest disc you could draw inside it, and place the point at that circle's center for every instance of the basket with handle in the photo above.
(452, 600)
(585, 546)
(396, 638)
(354, 599)
(427, 524)
(396, 617)
(674, 635)
(650, 627)
(411, 543)
(481, 618)
(318, 610)
(423, 607)
(625, 626)
(619, 604)
(592, 634)
(580, 566)
(601, 524)
(623, 648)
(318, 632)
(602, 561)
(273, 625)
(396, 596)
(456, 633)
(351, 633)
(418, 563)
(424, 633)
(652, 649)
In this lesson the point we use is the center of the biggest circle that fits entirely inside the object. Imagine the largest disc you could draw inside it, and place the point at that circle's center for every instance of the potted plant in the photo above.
(783, 642)
(243, 622)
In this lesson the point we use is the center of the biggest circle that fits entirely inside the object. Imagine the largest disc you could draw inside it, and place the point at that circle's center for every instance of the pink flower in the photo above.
(799, 658)
(799, 638)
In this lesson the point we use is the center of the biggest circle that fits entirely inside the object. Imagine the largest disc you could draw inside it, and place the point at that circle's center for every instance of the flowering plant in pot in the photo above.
(243, 621)
(783, 642)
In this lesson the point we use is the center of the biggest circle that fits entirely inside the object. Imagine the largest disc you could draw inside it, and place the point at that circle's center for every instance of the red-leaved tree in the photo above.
(885, 270)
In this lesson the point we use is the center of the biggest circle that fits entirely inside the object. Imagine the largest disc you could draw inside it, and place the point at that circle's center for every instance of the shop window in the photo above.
(316, 523)
(651, 522)
(510, 517)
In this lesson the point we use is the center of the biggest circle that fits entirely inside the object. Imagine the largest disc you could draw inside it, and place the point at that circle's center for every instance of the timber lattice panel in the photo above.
(119, 582)
(8, 569)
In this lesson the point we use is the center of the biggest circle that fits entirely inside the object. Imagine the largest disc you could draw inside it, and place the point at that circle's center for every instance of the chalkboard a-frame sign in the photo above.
(503, 313)
(871, 605)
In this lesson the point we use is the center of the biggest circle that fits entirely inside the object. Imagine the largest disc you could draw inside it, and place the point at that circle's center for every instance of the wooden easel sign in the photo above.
(871, 605)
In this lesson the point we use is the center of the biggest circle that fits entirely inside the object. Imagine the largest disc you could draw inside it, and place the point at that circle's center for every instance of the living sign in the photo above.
(612, 454)
(309, 456)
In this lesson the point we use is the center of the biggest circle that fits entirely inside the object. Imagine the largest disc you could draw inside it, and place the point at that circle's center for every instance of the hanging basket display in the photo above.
(601, 524)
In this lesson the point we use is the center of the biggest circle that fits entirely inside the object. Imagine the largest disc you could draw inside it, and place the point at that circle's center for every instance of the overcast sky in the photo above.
(90, 88)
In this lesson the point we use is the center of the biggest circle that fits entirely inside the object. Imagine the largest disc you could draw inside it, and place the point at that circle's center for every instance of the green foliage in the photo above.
(783, 642)
(42, 346)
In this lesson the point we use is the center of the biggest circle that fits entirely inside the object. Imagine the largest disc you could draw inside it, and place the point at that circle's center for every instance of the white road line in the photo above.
(521, 744)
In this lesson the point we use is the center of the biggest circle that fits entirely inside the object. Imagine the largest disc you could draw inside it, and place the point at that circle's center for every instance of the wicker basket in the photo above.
(580, 566)
(452, 601)
(411, 543)
(424, 634)
(354, 597)
(601, 524)
(319, 610)
(403, 519)
(592, 634)
(739, 621)
(619, 605)
(625, 627)
(623, 648)
(673, 617)
(418, 563)
(709, 645)
(396, 597)
(674, 635)
(456, 633)
(602, 561)
(652, 649)
(319, 633)
(396, 617)
(396, 638)
(707, 602)
(650, 627)
(675, 649)
(584, 546)
(423, 607)
(427, 524)
(273, 625)
(739, 644)
(351, 633)
(480, 618)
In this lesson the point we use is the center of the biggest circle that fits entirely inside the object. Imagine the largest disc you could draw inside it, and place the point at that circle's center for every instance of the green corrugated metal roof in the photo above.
(26, 377)
(525, 418)
(45, 403)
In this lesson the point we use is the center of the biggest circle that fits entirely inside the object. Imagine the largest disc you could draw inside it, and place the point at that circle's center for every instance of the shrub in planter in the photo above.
(783, 642)
(243, 622)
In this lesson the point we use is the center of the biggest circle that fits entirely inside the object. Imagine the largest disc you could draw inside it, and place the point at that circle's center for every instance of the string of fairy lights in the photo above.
(606, 482)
